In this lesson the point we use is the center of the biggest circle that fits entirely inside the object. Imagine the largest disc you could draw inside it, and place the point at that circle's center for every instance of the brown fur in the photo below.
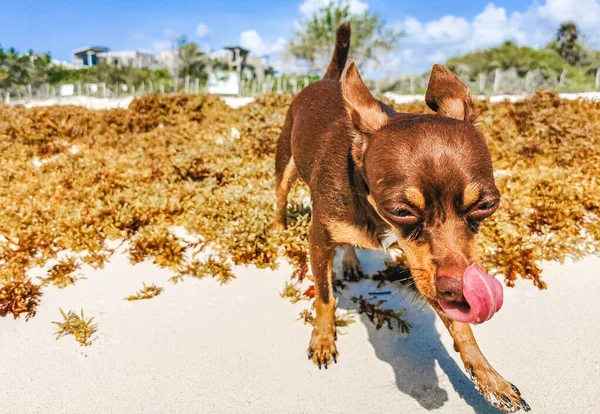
(373, 172)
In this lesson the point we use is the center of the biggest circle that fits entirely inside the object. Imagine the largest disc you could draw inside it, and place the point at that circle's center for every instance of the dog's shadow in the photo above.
(413, 356)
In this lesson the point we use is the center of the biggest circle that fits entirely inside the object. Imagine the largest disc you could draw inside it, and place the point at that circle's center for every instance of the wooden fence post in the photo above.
(482, 79)
(598, 78)
(563, 75)
(497, 75)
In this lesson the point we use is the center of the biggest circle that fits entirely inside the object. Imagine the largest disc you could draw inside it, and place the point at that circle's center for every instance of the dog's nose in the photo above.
(450, 288)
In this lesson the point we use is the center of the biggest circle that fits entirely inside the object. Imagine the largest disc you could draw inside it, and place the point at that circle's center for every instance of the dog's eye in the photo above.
(402, 213)
(486, 206)
(403, 216)
(484, 210)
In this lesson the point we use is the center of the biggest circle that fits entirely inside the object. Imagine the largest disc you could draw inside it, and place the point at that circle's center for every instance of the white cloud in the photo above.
(309, 7)
(492, 25)
(436, 40)
(586, 13)
(250, 39)
(202, 30)
(448, 29)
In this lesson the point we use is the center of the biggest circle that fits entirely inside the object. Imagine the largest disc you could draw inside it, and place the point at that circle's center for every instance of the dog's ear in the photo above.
(448, 96)
(364, 111)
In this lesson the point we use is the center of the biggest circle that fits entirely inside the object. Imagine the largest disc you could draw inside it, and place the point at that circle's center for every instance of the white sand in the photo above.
(204, 348)
(89, 102)
(237, 102)
(110, 103)
(399, 98)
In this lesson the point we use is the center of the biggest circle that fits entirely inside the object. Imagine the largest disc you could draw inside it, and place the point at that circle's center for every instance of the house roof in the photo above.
(232, 48)
(98, 49)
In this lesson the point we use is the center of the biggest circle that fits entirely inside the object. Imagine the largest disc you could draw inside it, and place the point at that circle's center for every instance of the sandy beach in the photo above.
(239, 101)
(200, 347)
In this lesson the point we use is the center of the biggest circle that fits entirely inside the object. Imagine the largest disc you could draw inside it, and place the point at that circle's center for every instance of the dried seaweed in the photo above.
(62, 273)
(380, 316)
(72, 179)
(82, 329)
(341, 320)
(19, 297)
(212, 266)
(146, 292)
(291, 291)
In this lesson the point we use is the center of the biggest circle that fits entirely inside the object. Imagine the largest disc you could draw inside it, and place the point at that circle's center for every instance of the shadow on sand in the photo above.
(412, 356)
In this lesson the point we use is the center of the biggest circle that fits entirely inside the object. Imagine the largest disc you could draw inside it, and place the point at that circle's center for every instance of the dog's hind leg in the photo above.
(285, 171)
(350, 264)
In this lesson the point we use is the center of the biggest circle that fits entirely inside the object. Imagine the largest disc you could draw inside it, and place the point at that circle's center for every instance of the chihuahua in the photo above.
(380, 179)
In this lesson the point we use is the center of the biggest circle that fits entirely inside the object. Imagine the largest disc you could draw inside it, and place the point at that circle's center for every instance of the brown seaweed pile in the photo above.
(73, 179)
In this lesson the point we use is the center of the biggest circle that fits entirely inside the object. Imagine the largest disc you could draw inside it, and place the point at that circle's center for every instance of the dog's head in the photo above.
(429, 177)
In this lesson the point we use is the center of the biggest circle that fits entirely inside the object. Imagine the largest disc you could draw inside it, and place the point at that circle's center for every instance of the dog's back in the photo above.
(314, 116)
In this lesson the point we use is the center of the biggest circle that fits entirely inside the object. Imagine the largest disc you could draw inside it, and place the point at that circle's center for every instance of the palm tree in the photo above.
(192, 61)
(568, 47)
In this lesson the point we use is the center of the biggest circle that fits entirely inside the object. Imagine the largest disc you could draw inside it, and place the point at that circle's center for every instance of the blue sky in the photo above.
(435, 29)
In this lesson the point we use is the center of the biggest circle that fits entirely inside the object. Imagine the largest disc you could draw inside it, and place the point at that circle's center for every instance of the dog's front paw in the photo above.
(496, 390)
(322, 350)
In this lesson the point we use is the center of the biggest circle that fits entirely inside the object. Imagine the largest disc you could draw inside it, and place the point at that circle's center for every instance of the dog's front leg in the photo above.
(495, 389)
(322, 350)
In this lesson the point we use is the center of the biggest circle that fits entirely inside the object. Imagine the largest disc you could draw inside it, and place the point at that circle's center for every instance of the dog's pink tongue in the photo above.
(482, 292)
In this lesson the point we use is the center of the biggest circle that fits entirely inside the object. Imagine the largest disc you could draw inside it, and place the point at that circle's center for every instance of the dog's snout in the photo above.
(450, 288)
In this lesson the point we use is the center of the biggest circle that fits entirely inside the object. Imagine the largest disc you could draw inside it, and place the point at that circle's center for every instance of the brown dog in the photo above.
(380, 179)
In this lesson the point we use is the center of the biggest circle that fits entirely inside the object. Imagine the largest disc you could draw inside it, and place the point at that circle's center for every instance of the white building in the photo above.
(93, 55)
(130, 58)
(168, 59)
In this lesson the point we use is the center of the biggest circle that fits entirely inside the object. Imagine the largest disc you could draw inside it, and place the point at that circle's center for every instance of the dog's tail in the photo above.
(340, 54)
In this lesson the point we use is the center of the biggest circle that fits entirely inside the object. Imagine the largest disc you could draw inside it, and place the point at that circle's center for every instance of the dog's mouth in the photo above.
(483, 295)
(455, 306)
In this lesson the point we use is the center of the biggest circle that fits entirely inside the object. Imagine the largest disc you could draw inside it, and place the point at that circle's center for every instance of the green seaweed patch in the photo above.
(78, 326)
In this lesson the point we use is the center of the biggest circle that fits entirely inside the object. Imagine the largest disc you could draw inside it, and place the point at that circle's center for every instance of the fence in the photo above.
(499, 82)
(496, 82)
(253, 87)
